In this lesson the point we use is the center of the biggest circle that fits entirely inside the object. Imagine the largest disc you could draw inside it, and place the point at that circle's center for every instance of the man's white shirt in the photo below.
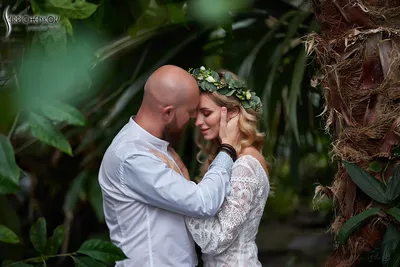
(145, 202)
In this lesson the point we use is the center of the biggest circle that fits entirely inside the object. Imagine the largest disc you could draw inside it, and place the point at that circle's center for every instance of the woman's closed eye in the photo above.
(206, 113)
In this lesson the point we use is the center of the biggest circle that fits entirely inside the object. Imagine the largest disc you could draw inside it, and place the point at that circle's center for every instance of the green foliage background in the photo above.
(66, 93)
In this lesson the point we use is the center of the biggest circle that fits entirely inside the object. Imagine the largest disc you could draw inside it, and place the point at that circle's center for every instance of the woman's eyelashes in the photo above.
(206, 113)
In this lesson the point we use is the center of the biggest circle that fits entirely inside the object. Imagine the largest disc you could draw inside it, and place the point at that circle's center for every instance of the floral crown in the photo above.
(210, 81)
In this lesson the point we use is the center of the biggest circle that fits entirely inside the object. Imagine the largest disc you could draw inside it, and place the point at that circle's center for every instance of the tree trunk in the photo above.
(358, 51)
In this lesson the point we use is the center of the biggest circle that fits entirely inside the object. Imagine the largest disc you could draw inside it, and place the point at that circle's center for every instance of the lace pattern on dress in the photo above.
(229, 238)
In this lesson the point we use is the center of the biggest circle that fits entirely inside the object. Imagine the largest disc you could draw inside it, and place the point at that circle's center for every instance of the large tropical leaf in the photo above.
(354, 223)
(46, 132)
(102, 250)
(367, 183)
(62, 112)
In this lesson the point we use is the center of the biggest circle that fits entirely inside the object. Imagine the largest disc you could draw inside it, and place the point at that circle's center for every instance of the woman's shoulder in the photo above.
(254, 155)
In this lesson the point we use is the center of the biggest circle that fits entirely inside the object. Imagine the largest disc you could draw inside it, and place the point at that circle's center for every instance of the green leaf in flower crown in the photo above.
(239, 96)
(246, 104)
(215, 76)
(203, 85)
(231, 92)
(212, 87)
(196, 72)
(227, 76)
(229, 80)
(223, 91)
(254, 98)
(208, 86)
(238, 83)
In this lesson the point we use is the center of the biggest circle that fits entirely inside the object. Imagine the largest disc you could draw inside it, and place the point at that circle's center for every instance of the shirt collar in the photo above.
(146, 136)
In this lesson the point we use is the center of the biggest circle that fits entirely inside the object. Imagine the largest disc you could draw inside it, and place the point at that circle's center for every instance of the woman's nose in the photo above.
(199, 121)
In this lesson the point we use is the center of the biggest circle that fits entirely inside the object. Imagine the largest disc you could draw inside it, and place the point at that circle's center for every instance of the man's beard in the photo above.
(173, 134)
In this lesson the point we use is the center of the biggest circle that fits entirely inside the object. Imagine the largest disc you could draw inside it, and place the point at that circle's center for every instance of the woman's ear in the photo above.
(233, 113)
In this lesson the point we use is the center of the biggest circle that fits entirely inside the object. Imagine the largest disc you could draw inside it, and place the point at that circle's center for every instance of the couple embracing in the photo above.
(153, 210)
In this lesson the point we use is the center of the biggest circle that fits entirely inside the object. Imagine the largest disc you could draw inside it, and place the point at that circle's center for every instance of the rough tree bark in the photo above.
(358, 51)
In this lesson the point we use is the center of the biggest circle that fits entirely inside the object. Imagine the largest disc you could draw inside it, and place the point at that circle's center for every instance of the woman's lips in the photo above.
(204, 131)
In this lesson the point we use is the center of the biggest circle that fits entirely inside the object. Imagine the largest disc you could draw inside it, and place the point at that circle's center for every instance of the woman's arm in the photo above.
(214, 235)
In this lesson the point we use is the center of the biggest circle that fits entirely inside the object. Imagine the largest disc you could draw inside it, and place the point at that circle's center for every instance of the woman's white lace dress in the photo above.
(228, 240)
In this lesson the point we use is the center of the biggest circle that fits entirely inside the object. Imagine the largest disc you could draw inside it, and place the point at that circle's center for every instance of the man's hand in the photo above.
(229, 130)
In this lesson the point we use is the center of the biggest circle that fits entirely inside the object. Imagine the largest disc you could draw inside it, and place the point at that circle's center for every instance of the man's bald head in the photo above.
(170, 86)
(171, 96)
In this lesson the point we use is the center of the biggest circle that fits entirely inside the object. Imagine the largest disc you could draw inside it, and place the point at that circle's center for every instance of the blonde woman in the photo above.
(229, 238)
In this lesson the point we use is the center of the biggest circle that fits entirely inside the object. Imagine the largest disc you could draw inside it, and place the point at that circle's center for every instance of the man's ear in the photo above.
(233, 113)
(167, 113)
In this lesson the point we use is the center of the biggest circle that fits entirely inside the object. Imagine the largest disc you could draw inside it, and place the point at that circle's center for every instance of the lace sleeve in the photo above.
(216, 234)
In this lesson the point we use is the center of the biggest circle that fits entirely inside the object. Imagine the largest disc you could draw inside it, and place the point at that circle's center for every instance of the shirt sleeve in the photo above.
(214, 235)
(151, 181)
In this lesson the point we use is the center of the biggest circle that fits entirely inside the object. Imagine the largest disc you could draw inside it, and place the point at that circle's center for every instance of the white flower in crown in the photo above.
(202, 68)
(248, 95)
(210, 79)
(200, 77)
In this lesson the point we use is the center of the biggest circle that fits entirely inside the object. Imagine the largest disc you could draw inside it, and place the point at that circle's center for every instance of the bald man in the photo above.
(144, 200)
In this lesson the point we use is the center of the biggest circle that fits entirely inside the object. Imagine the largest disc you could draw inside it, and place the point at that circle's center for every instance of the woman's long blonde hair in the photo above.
(248, 128)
